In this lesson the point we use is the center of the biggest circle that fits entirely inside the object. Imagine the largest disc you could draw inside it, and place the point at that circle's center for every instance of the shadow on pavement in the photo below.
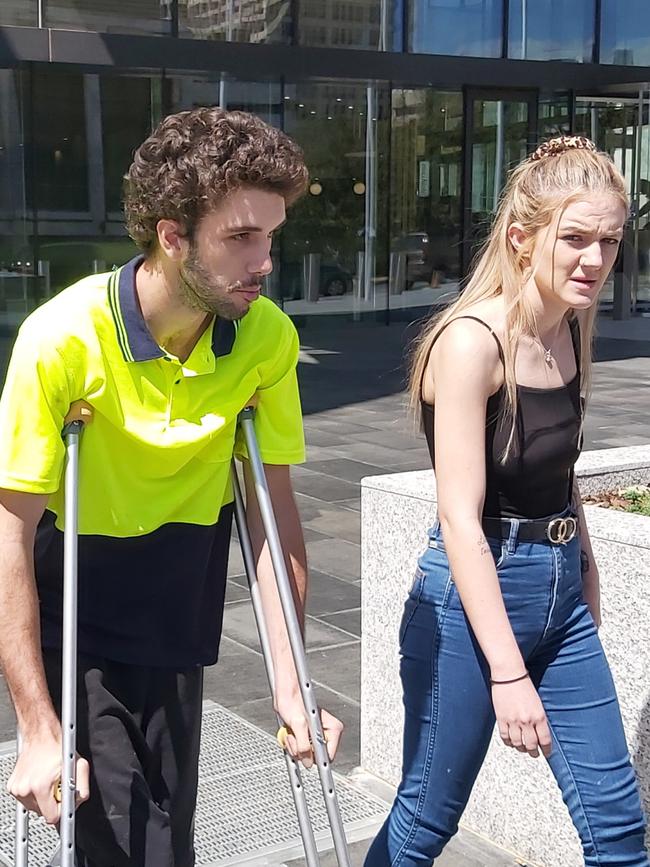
(346, 362)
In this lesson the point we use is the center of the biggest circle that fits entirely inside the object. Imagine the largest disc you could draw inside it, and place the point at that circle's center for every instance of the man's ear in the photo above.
(172, 240)
(517, 235)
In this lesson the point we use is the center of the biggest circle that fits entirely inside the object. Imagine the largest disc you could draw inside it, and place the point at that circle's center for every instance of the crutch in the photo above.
(66, 791)
(293, 768)
(246, 421)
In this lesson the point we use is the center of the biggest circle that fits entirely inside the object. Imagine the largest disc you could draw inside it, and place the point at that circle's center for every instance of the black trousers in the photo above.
(140, 729)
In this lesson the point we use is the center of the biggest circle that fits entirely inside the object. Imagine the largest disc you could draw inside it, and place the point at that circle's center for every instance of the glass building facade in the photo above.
(410, 113)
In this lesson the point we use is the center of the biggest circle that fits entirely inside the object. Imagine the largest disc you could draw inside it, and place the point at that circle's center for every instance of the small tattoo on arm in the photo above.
(483, 546)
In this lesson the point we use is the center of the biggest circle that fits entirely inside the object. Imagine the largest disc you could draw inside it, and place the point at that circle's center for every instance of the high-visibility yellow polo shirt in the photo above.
(155, 493)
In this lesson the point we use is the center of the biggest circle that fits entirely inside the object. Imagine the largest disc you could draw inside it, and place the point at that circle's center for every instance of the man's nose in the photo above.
(262, 266)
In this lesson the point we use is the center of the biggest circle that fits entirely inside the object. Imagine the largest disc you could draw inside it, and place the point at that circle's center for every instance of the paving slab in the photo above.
(323, 487)
(336, 557)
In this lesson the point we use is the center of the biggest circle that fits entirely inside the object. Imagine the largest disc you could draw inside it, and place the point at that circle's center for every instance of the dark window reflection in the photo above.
(263, 98)
(625, 32)
(60, 153)
(20, 13)
(553, 115)
(126, 122)
(20, 287)
(425, 206)
(333, 252)
(106, 16)
(342, 24)
(85, 130)
(328, 120)
(236, 20)
(551, 30)
(458, 27)
(614, 125)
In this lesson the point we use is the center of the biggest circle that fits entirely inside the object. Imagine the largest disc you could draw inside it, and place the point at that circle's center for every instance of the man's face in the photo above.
(230, 254)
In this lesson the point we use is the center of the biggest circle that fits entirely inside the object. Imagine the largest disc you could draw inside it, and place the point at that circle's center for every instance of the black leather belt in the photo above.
(558, 531)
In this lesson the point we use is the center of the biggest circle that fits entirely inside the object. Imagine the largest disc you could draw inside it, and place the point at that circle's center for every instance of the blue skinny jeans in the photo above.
(449, 716)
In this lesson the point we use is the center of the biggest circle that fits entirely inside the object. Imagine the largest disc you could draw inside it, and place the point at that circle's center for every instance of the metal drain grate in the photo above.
(245, 810)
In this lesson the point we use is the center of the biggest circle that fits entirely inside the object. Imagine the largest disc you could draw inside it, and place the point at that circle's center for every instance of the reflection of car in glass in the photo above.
(419, 265)
(431, 257)
(333, 280)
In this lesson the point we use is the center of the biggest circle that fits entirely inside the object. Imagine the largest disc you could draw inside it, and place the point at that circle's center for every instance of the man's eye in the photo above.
(611, 241)
(241, 236)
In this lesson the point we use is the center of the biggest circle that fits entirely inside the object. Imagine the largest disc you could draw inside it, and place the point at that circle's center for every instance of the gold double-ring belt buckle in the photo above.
(560, 531)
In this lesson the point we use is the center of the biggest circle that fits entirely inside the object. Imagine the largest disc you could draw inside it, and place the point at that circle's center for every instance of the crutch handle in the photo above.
(283, 733)
(81, 412)
(249, 408)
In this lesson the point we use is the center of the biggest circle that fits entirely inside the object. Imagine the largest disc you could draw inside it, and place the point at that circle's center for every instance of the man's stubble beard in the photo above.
(201, 291)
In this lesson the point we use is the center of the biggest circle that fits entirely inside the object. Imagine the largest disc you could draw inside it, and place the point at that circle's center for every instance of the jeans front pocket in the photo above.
(412, 602)
(499, 550)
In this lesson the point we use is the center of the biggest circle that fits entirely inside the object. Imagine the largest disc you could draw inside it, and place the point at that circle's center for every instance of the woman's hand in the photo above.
(521, 718)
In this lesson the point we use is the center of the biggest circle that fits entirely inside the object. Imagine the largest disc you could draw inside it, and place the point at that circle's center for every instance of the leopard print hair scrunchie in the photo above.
(559, 145)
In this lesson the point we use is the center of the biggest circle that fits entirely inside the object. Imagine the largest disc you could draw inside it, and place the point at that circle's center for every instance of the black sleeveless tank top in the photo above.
(537, 478)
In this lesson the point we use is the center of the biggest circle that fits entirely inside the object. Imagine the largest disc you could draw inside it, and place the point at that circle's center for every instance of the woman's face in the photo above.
(573, 257)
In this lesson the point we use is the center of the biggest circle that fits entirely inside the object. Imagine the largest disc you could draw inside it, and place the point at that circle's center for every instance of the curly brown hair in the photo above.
(194, 159)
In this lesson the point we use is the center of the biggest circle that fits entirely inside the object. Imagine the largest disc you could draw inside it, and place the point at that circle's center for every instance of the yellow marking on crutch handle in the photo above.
(58, 795)
(281, 736)
(79, 411)
(283, 733)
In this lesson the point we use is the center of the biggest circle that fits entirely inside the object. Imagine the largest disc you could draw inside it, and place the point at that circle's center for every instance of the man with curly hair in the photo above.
(165, 351)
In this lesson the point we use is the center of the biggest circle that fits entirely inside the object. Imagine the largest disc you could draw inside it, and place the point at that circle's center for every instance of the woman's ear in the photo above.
(517, 235)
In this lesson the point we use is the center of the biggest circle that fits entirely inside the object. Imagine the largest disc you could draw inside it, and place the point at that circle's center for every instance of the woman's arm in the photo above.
(463, 371)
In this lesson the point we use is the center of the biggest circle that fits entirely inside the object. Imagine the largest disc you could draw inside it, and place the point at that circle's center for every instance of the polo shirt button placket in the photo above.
(175, 377)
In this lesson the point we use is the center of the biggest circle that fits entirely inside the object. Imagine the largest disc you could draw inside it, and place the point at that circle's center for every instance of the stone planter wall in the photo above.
(515, 803)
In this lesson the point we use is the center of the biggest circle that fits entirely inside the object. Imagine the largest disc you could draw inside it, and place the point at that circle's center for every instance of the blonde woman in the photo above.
(502, 620)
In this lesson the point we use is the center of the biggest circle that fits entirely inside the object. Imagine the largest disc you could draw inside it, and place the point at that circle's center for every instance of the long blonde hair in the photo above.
(559, 172)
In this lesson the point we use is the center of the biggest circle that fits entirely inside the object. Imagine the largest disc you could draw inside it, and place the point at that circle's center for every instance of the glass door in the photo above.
(425, 198)
(621, 127)
(500, 131)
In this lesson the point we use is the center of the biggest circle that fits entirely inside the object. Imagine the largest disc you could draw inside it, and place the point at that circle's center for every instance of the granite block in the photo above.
(597, 471)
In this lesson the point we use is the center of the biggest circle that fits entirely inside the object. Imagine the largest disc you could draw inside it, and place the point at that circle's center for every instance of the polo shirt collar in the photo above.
(135, 339)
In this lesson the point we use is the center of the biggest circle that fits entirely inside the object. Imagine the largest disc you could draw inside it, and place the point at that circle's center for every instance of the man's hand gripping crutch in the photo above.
(49, 778)
(306, 733)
